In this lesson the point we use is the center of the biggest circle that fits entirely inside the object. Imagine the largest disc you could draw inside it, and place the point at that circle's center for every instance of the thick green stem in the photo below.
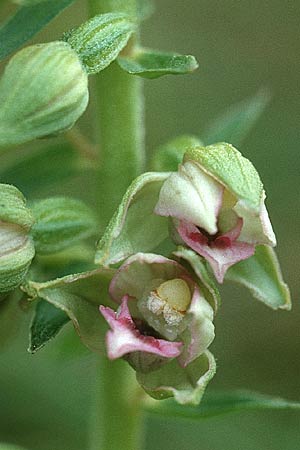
(119, 127)
(120, 148)
(116, 419)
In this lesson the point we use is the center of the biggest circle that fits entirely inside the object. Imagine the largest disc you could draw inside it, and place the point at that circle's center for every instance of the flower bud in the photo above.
(16, 246)
(99, 40)
(43, 91)
(61, 222)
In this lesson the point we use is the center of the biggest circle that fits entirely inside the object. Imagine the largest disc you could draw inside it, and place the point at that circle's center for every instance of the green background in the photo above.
(241, 47)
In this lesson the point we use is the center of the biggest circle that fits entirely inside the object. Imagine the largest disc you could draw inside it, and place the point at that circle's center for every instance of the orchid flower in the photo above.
(220, 214)
(162, 317)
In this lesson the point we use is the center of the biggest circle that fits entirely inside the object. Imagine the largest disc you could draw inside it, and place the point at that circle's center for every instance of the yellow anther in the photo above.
(176, 293)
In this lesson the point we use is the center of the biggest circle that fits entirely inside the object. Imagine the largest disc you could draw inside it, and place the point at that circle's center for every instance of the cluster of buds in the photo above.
(213, 207)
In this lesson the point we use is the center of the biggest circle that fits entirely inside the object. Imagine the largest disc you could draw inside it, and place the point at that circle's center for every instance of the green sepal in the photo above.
(235, 124)
(186, 385)
(149, 63)
(134, 227)
(261, 274)
(220, 403)
(46, 323)
(43, 91)
(204, 278)
(79, 296)
(26, 22)
(61, 222)
(16, 246)
(98, 41)
(226, 164)
(167, 157)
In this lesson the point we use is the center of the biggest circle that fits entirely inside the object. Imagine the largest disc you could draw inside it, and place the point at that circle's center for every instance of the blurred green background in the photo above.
(241, 47)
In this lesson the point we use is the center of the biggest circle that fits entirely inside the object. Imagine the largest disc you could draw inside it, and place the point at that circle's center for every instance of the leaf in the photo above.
(47, 322)
(168, 156)
(79, 296)
(234, 125)
(98, 41)
(227, 165)
(61, 222)
(261, 274)
(186, 385)
(219, 403)
(149, 63)
(26, 22)
(134, 227)
(200, 267)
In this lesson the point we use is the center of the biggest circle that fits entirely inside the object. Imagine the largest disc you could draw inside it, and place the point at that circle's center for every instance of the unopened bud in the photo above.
(43, 91)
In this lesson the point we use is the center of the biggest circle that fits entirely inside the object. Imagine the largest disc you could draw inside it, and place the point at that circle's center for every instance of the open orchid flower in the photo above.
(216, 201)
(162, 315)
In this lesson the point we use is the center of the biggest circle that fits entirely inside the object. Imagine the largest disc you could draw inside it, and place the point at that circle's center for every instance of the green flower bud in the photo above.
(16, 246)
(43, 91)
(99, 41)
(60, 223)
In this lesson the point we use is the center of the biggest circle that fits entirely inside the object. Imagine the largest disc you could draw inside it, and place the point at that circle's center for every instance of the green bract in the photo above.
(16, 247)
(43, 91)
(61, 222)
(149, 63)
(99, 40)
(134, 227)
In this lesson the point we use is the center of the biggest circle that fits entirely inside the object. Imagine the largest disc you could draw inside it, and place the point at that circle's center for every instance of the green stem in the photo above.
(116, 419)
(119, 142)
(119, 127)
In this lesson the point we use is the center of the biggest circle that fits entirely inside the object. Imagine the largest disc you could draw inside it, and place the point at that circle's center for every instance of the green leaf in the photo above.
(230, 168)
(219, 403)
(149, 63)
(186, 385)
(26, 22)
(234, 125)
(167, 157)
(61, 222)
(200, 267)
(47, 322)
(134, 228)
(79, 296)
(261, 274)
(98, 41)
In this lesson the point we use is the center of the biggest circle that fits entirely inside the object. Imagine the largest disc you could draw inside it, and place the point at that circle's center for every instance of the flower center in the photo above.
(164, 308)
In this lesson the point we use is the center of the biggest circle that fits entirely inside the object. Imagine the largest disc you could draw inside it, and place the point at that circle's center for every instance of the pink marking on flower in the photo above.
(221, 251)
(124, 337)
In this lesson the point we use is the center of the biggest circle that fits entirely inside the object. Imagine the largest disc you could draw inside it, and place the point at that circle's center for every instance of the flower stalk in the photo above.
(119, 135)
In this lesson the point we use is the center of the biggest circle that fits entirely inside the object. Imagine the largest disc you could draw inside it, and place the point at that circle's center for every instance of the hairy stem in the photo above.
(119, 132)
(119, 122)
(116, 419)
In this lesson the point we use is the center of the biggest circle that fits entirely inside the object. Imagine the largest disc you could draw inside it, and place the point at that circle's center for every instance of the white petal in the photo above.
(192, 195)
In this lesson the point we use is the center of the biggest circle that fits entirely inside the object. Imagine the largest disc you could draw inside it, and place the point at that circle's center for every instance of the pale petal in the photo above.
(257, 229)
(192, 195)
(200, 332)
(124, 336)
(221, 253)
